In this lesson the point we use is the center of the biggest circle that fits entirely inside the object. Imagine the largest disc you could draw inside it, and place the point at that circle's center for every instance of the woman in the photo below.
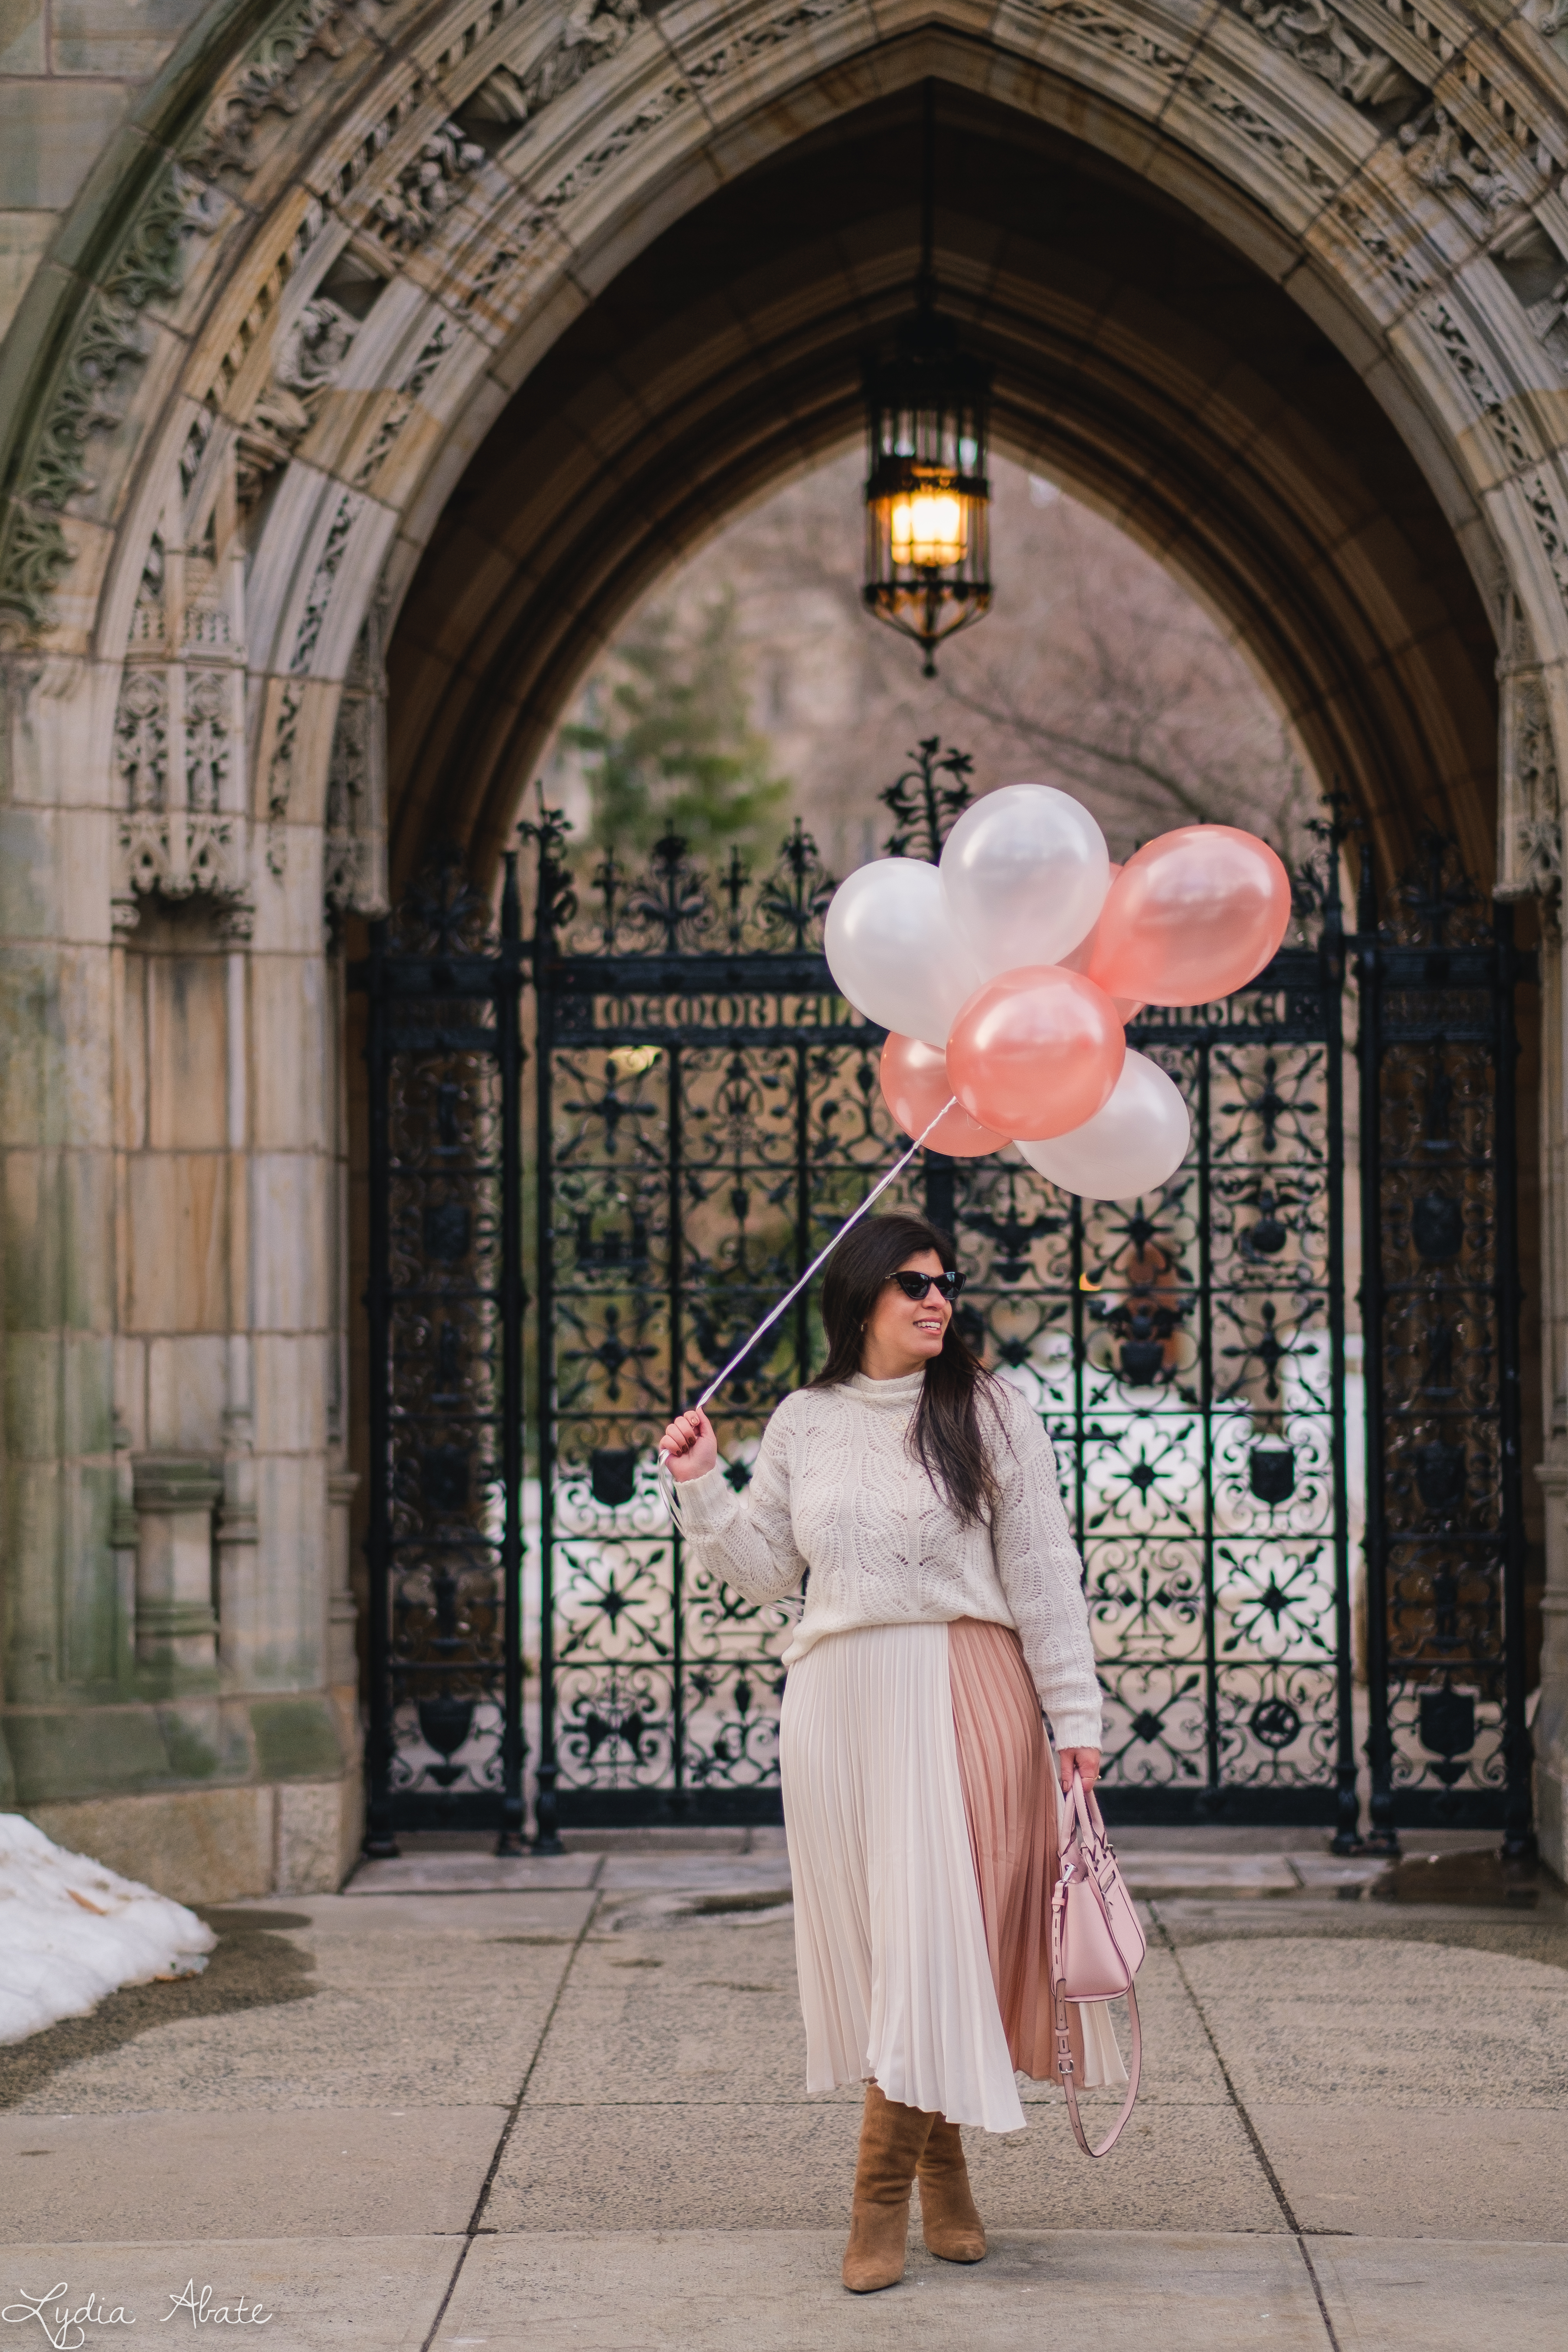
(943, 1608)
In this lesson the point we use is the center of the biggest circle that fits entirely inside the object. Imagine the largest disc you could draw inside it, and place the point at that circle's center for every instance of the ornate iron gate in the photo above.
(705, 1111)
(444, 1306)
(1445, 1528)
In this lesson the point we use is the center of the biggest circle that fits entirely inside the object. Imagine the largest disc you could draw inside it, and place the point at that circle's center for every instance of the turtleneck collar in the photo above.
(902, 1394)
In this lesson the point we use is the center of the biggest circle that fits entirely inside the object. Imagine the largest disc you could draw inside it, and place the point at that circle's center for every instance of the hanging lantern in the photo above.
(927, 501)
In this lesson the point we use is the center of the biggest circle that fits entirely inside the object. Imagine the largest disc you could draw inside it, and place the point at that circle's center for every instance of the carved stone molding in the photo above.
(1549, 322)
(1463, 122)
(175, 1496)
(410, 390)
(308, 631)
(412, 208)
(179, 729)
(1319, 38)
(238, 1527)
(342, 1613)
(108, 341)
(310, 356)
(353, 878)
(176, 852)
(1469, 120)
(269, 77)
(142, 738)
(1529, 822)
(592, 32)
(1442, 158)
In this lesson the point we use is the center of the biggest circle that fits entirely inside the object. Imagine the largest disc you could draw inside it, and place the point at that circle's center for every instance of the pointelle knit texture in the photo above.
(837, 1488)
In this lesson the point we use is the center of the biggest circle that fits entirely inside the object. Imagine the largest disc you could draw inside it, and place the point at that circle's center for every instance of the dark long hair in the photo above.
(946, 1436)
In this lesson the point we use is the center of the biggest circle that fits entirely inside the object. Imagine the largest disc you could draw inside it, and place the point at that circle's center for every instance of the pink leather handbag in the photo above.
(1096, 1944)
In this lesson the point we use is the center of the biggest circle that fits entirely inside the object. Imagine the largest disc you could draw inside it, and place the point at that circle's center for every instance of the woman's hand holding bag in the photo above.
(1096, 1944)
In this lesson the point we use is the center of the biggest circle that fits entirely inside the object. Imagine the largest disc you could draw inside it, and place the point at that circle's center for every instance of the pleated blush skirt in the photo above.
(920, 1812)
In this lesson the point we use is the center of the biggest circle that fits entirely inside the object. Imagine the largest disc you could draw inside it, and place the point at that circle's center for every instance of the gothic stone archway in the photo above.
(456, 324)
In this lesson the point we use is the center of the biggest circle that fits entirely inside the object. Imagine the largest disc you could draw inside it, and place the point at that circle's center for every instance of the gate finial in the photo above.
(921, 806)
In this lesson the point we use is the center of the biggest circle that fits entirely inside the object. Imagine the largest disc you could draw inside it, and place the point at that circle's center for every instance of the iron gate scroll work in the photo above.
(707, 1112)
(1445, 1524)
(445, 1306)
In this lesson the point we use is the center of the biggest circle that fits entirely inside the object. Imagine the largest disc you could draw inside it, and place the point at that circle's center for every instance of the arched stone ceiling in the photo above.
(1161, 373)
(344, 238)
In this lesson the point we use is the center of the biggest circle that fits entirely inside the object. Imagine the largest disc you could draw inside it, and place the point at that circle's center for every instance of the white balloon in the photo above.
(1131, 1146)
(895, 951)
(1026, 871)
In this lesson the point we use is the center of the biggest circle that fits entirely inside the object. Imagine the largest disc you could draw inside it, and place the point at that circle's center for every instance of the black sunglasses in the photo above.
(915, 1286)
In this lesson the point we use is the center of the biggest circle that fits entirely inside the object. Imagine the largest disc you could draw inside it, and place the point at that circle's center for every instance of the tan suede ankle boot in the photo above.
(892, 2139)
(949, 2222)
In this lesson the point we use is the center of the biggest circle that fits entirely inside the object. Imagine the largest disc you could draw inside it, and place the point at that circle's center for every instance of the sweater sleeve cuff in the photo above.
(1072, 1728)
(707, 1504)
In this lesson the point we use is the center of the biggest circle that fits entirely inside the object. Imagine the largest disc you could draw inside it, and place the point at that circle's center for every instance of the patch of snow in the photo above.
(72, 1930)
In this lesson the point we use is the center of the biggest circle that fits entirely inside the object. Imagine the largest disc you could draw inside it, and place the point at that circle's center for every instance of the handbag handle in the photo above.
(1084, 1813)
(1081, 1805)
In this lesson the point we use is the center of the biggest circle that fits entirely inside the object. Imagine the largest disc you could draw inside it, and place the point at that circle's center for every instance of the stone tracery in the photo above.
(404, 180)
(421, 190)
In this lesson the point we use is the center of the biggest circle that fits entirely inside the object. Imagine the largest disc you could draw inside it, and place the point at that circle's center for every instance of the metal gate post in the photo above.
(676, 1271)
(1518, 1828)
(941, 1190)
(1381, 1835)
(509, 987)
(1079, 1364)
(546, 1806)
(1332, 968)
(1211, 1801)
(379, 1839)
(803, 1251)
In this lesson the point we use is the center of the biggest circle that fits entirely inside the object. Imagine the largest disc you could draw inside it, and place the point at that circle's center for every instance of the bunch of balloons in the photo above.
(1006, 976)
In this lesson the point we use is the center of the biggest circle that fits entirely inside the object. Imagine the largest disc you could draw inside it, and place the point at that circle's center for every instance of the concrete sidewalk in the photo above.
(558, 2103)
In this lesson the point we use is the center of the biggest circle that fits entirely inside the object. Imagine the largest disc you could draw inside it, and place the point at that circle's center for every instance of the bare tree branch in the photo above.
(1040, 735)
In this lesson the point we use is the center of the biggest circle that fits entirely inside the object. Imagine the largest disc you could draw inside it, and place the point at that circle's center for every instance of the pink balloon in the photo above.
(915, 1085)
(1082, 956)
(1035, 1052)
(1191, 915)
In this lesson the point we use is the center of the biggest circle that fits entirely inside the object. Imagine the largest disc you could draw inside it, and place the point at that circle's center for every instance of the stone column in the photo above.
(1551, 1725)
(59, 1620)
(176, 1624)
(123, 1543)
(342, 1653)
(237, 1528)
(1551, 1713)
(343, 1616)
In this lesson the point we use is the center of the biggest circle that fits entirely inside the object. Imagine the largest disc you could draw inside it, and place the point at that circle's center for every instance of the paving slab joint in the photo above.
(476, 2219)
(1276, 2185)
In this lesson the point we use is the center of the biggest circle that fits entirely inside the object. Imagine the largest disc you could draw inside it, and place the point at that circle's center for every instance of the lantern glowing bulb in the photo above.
(929, 528)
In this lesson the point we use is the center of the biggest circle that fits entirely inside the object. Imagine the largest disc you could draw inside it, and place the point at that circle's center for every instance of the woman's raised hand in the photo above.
(690, 1446)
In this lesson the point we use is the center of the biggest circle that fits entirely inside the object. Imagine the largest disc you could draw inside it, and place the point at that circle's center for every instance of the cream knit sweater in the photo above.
(837, 1489)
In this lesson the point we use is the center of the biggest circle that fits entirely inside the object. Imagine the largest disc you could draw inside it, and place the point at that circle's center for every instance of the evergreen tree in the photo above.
(670, 746)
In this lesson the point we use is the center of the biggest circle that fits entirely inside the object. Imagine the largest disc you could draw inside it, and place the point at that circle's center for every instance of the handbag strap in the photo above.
(1065, 2066)
(1084, 1826)
(1081, 1816)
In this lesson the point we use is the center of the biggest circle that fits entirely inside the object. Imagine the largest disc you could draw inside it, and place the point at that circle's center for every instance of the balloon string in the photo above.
(791, 1294)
